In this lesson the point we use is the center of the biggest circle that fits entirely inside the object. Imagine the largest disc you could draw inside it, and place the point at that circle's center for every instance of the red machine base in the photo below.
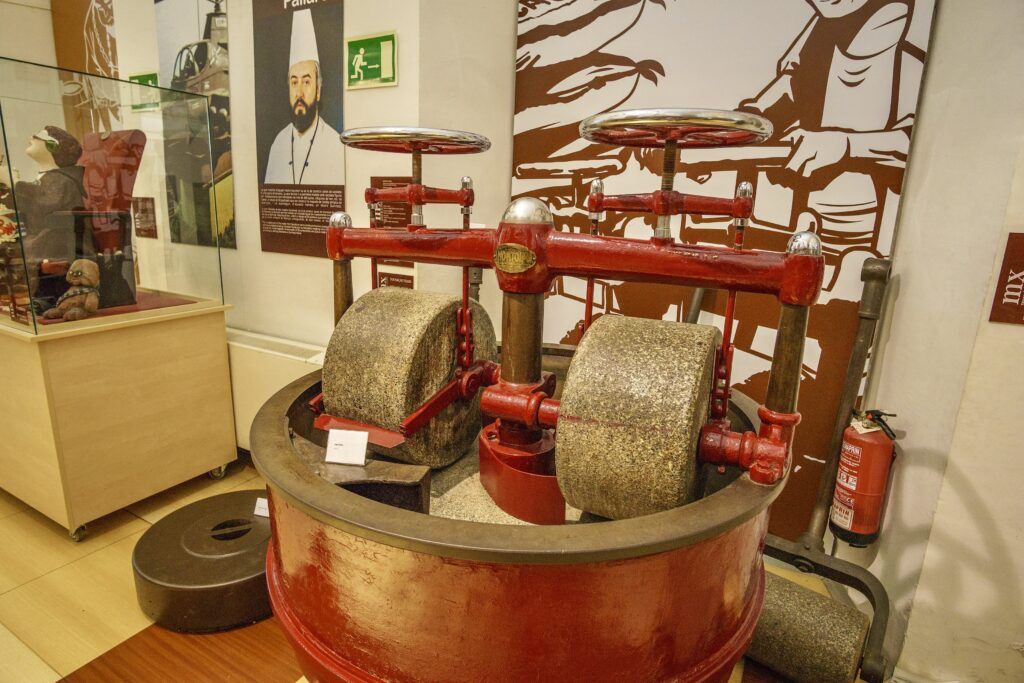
(321, 663)
(522, 484)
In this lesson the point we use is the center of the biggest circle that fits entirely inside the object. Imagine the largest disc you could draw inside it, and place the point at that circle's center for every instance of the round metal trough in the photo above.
(370, 592)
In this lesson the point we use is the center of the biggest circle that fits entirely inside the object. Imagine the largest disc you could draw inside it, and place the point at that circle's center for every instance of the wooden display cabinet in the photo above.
(100, 413)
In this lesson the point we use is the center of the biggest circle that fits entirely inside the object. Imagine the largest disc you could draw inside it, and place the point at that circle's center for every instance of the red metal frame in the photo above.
(671, 203)
(520, 478)
(462, 388)
(765, 454)
(414, 193)
(378, 436)
(793, 278)
(516, 451)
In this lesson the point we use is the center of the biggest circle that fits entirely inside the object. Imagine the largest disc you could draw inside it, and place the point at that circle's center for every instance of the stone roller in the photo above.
(803, 635)
(806, 636)
(634, 400)
(392, 350)
(636, 396)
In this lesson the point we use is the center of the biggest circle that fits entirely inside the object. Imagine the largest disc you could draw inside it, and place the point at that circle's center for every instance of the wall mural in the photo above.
(84, 40)
(839, 79)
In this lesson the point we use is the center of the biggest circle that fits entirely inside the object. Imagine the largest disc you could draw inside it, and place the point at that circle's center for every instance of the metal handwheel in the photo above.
(417, 142)
(670, 129)
(409, 139)
(684, 127)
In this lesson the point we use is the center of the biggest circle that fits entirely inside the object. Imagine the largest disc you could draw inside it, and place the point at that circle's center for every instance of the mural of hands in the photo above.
(815, 150)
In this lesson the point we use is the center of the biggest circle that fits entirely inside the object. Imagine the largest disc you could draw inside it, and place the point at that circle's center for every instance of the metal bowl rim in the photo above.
(288, 477)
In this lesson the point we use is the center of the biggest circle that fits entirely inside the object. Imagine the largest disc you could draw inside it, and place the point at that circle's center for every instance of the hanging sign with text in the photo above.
(1008, 303)
(393, 214)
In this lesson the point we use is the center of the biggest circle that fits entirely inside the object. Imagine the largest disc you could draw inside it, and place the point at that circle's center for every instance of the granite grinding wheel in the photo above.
(806, 636)
(635, 398)
(202, 568)
(392, 350)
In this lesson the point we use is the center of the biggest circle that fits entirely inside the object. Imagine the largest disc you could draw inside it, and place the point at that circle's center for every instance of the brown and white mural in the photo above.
(84, 39)
(839, 79)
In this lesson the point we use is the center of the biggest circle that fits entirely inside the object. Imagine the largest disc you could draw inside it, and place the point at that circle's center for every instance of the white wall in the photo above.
(462, 83)
(469, 84)
(967, 620)
(952, 377)
(26, 31)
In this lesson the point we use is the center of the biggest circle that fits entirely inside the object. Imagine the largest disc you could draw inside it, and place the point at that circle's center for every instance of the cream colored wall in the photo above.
(467, 82)
(26, 31)
(953, 377)
(30, 100)
(967, 620)
(291, 296)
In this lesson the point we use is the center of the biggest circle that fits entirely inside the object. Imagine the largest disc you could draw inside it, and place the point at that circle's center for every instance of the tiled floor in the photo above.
(62, 604)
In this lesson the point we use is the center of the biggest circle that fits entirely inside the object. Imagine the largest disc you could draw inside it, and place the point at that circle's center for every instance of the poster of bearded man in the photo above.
(300, 158)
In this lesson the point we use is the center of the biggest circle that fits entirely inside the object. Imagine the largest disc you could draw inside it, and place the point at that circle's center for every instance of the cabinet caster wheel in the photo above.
(77, 534)
(218, 472)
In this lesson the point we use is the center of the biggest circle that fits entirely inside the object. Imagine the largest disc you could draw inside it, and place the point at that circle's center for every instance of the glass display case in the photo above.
(109, 195)
(113, 346)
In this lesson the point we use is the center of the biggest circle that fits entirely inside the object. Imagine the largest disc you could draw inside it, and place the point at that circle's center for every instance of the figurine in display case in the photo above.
(46, 208)
(111, 161)
(83, 297)
(78, 206)
(14, 297)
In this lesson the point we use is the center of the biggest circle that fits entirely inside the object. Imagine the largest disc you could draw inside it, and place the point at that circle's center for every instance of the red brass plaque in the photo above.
(1008, 302)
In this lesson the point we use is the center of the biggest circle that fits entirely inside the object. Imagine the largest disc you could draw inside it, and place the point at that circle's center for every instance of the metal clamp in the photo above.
(417, 142)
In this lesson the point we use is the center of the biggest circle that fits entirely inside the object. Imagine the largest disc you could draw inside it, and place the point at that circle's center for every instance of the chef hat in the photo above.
(303, 46)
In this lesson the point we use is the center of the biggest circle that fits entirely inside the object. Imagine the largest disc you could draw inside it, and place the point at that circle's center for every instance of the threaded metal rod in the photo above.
(668, 178)
(417, 179)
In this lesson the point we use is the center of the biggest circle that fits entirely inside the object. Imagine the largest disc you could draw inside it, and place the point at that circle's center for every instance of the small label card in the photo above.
(261, 508)
(346, 447)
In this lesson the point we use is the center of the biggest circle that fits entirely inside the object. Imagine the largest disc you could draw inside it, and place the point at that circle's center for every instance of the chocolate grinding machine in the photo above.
(667, 581)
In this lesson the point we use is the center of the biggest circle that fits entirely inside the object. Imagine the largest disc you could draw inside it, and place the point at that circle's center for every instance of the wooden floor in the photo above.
(64, 604)
(68, 610)
(255, 653)
(258, 653)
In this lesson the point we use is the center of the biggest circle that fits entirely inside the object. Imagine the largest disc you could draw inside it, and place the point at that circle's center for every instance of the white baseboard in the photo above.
(260, 365)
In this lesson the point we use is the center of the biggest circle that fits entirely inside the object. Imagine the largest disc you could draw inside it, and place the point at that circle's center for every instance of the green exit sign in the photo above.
(145, 98)
(371, 61)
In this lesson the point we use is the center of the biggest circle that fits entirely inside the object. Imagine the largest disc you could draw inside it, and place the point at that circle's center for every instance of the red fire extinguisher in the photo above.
(863, 479)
